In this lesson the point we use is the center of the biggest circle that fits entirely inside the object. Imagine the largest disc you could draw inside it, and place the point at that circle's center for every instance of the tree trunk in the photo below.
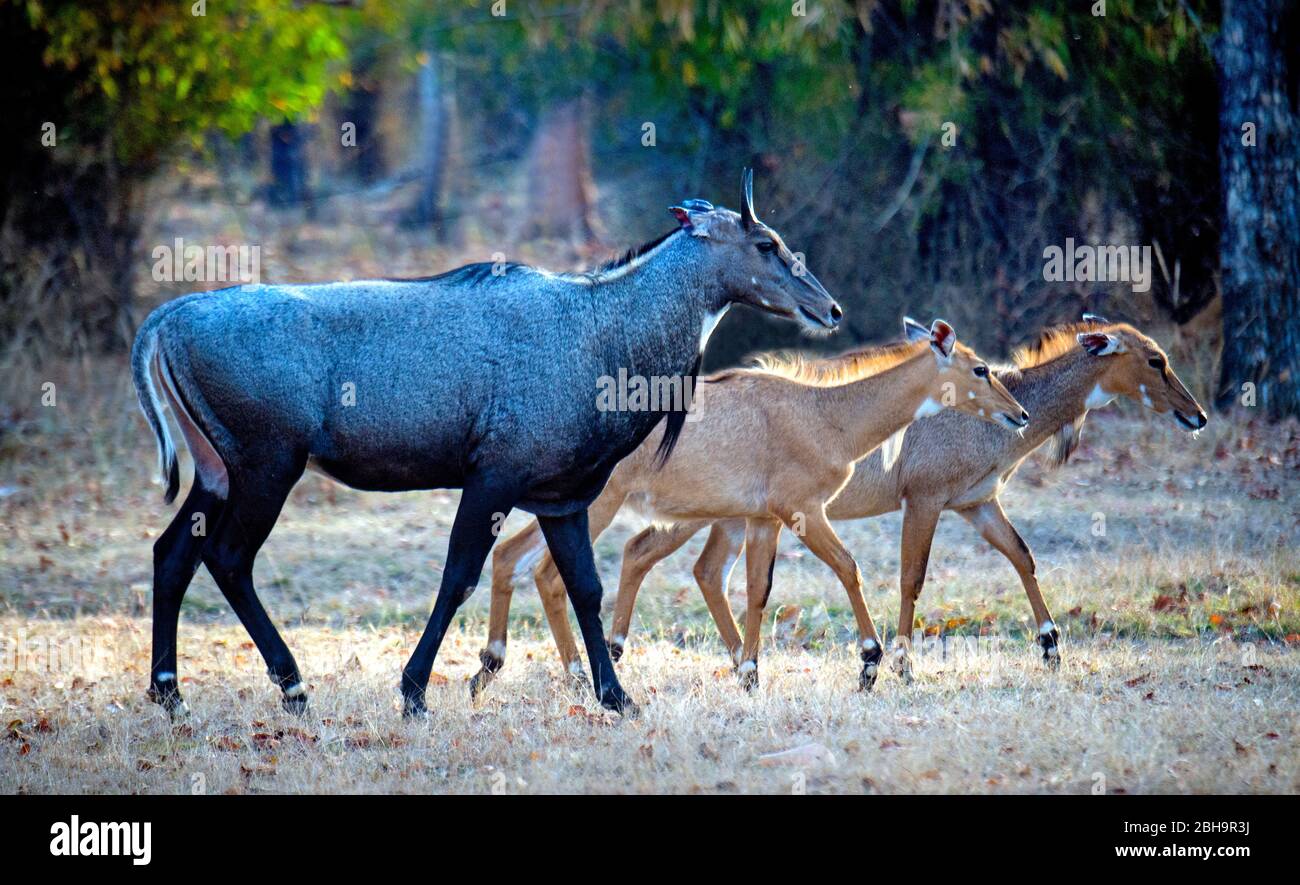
(1260, 243)
(361, 108)
(432, 162)
(288, 165)
(561, 188)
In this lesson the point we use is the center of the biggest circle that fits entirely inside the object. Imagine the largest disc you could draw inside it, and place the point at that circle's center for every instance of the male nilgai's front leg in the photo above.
(570, 544)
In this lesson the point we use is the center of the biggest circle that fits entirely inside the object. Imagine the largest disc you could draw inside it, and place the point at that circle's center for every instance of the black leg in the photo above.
(175, 559)
(570, 545)
(229, 557)
(482, 506)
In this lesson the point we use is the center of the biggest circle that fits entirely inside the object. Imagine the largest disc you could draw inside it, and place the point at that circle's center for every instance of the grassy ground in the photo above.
(1170, 562)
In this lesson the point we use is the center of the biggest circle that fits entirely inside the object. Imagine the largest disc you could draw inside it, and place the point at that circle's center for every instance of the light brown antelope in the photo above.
(950, 462)
(770, 447)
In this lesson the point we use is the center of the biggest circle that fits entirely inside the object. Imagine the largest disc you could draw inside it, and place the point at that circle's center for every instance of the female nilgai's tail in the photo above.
(144, 355)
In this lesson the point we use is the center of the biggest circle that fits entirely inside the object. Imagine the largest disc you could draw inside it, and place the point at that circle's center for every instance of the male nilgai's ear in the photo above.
(693, 216)
(1100, 344)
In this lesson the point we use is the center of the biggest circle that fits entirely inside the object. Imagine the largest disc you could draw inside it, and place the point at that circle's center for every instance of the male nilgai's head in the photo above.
(753, 263)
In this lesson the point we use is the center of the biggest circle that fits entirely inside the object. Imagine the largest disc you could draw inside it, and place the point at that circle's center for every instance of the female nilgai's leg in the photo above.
(508, 557)
(483, 506)
(570, 543)
(175, 559)
(761, 537)
(641, 553)
(992, 523)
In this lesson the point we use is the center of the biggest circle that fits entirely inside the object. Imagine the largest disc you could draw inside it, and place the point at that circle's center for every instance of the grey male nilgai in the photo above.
(481, 378)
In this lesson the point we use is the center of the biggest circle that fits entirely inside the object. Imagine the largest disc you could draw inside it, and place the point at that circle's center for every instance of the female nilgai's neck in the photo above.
(1054, 393)
(862, 414)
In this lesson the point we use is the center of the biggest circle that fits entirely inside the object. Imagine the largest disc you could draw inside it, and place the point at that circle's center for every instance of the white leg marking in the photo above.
(166, 676)
(295, 690)
(497, 648)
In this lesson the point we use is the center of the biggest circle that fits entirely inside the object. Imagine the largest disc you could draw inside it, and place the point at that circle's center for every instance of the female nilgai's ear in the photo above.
(1099, 343)
(914, 331)
(942, 338)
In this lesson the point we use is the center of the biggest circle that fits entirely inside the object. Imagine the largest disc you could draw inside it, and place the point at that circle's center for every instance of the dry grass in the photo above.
(1181, 623)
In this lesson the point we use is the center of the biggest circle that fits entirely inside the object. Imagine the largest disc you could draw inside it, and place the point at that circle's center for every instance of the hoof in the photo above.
(614, 698)
(479, 683)
(413, 707)
(166, 696)
(748, 673)
(577, 675)
(1049, 638)
(900, 661)
(615, 650)
(872, 655)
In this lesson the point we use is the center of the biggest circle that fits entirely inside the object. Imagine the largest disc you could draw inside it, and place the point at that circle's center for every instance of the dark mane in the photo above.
(478, 272)
(487, 271)
(631, 254)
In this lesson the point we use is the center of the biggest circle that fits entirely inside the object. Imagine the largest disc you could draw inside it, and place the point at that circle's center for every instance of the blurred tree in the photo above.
(1259, 150)
(123, 85)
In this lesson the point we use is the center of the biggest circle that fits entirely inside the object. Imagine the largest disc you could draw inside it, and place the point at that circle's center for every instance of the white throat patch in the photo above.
(1098, 398)
(710, 323)
(928, 408)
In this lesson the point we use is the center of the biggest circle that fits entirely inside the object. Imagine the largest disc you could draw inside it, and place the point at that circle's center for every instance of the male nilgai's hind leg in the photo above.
(570, 544)
(175, 559)
(229, 558)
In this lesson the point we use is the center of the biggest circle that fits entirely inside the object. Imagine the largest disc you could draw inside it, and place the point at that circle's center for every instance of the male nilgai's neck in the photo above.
(651, 315)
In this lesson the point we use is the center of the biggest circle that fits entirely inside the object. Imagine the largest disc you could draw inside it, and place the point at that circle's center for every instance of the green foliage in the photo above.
(155, 74)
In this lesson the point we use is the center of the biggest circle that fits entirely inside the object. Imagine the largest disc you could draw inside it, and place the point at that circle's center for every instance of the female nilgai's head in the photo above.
(964, 380)
(754, 265)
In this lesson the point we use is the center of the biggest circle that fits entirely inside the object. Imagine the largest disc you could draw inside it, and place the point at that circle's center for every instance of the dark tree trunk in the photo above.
(288, 165)
(361, 109)
(561, 188)
(1260, 243)
(433, 121)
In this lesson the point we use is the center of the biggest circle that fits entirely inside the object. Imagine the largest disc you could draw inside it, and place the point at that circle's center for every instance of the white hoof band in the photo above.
(748, 667)
(1047, 628)
(575, 669)
(497, 649)
(869, 644)
(295, 690)
(165, 677)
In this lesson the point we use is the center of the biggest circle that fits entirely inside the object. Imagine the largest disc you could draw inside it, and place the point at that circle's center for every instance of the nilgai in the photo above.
(952, 462)
(486, 378)
(770, 447)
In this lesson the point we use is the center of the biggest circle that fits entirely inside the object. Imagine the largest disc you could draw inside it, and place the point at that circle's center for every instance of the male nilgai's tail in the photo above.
(143, 372)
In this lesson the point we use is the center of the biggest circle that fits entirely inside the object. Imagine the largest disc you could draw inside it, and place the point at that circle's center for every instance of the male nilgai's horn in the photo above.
(747, 198)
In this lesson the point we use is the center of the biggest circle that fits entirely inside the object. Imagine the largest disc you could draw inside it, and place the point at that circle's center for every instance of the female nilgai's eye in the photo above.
(981, 371)
(765, 246)
(1156, 363)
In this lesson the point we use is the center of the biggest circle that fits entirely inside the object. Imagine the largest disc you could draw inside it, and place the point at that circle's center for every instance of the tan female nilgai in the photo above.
(951, 462)
(770, 447)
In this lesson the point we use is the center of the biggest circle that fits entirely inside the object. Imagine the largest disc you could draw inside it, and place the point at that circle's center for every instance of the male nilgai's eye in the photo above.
(767, 247)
